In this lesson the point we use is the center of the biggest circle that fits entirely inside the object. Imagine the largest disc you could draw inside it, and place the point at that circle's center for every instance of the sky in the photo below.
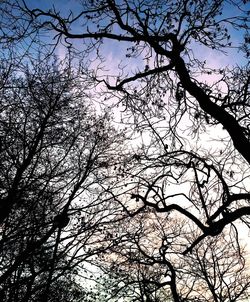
(114, 51)
(65, 6)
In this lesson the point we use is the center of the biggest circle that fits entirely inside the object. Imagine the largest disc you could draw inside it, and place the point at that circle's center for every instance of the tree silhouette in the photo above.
(52, 147)
(189, 120)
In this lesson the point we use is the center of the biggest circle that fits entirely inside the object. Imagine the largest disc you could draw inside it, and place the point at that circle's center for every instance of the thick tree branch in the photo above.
(171, 207)
(240, 142)
(216, 228)
(231, 198)
(139, 75)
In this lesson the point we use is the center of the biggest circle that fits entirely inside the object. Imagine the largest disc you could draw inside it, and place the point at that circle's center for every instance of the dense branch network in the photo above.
(147, 202)
(168, 39)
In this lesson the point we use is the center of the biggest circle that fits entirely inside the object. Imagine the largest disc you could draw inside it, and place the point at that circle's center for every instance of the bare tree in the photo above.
(55, 155)
(165, 35)
(147, 264)
(192, 116)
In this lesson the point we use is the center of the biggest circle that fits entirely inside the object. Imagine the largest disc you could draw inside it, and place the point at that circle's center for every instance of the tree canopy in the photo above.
(124, 140)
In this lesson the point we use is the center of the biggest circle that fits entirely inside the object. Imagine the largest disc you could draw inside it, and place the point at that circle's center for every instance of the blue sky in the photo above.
(117, 50)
